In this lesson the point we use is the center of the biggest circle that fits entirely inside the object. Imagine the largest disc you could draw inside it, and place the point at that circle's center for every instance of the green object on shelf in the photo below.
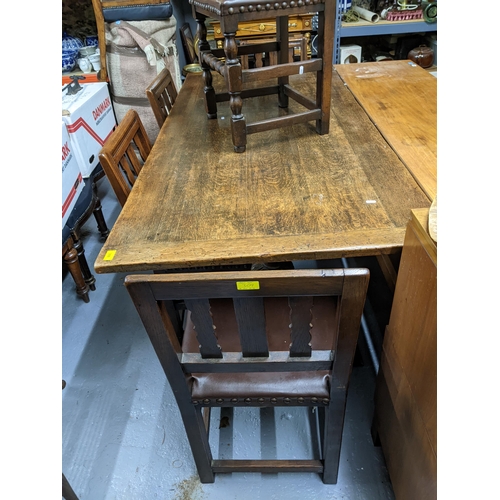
(430, 12)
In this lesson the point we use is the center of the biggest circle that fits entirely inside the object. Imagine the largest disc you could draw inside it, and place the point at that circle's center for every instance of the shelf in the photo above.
(366, 28)
(89, 77)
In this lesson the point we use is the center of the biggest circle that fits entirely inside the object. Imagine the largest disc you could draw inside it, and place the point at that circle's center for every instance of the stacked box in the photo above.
(72, 180)
(90, 120)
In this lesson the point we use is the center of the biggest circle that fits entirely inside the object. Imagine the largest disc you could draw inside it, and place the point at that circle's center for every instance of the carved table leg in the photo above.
(204, 46)
(235, 86)
(87, 274)
(71, 260)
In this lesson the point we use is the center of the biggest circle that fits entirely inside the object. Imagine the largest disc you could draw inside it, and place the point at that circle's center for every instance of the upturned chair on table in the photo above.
(240, 82)
(124, 154)
(161, 94)
(256, 338)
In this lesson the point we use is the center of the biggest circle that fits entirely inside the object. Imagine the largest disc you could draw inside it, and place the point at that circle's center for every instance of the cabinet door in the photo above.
(406, 396)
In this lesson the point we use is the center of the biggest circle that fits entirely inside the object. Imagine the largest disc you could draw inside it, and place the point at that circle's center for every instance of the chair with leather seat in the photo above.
(124, 153)
(242, 83)
(261, 339)
(108, 11)
(73, 252)
(161, 94)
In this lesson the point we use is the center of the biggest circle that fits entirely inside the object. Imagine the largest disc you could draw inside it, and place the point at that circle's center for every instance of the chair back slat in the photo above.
(136, 162)
(300, 325)
(297, 312)
(204, 327)
(251, 321)
(124, 153)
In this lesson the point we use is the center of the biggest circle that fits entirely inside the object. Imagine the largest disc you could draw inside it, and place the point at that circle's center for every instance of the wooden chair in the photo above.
(239, 82)
(162, 94)
(73, 252)
(126, 10)
(256, 338)
(124, 153)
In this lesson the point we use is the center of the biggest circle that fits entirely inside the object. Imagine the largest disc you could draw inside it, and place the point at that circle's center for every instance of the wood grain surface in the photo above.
(293, 194)
(401, 100)
(406, 394)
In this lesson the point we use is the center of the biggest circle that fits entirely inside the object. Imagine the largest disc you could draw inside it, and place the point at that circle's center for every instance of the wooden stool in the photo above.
(227, 63)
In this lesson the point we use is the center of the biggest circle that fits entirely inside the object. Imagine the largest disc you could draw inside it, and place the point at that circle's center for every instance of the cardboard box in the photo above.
(72, 180)
(90, 120)
(350, 54)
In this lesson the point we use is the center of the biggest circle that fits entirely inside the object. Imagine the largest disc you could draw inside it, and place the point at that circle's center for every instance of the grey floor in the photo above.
(122, 437)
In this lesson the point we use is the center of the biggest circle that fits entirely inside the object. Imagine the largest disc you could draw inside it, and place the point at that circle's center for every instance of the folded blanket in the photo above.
(136, 52)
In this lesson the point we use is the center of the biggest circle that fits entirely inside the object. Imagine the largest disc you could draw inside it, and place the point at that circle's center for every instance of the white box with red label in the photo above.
(72, 180)
(90, 120)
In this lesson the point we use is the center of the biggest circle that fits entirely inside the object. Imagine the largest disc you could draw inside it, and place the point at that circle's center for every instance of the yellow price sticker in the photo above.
(109, 255)
(247, 285)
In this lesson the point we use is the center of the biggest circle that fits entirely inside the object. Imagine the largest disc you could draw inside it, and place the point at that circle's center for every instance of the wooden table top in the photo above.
(401, 99)
(293, 195)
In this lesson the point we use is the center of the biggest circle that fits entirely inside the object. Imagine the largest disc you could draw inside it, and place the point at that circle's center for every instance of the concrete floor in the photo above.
(122, 437)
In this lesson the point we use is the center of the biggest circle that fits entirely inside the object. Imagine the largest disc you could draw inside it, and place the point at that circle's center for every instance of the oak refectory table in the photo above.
(293, 195)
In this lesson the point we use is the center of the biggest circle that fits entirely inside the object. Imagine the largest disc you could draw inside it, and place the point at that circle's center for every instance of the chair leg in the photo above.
(87, 274)
(333, 428)
(210, 102)
(235, 86)
(67, 490)
(282, 37)
(99, 217)
(71, 259)
(326, 22)
(198, 439)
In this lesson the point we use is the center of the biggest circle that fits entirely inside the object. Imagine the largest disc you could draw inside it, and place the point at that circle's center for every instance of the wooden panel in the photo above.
(202, 320)
(251, 29)
(293, 195)
(402, 101)
(251, 326)
(406, 394)
(301, 324)
(411, 462)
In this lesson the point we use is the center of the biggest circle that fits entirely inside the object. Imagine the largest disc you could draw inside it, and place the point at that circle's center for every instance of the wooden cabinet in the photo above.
(405, 421)
(298, 27)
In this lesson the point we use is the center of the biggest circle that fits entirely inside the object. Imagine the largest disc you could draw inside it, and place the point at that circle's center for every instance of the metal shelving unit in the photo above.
(365, 28)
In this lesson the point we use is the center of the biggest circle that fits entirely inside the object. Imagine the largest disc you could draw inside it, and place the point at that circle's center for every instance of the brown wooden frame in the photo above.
(98, 6)
(151, 293)
(227, 63)
(120, 156)
(161, 94)
(188, 43)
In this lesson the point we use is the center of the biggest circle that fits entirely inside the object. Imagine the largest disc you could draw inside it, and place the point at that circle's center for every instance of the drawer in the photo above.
(266, 27)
